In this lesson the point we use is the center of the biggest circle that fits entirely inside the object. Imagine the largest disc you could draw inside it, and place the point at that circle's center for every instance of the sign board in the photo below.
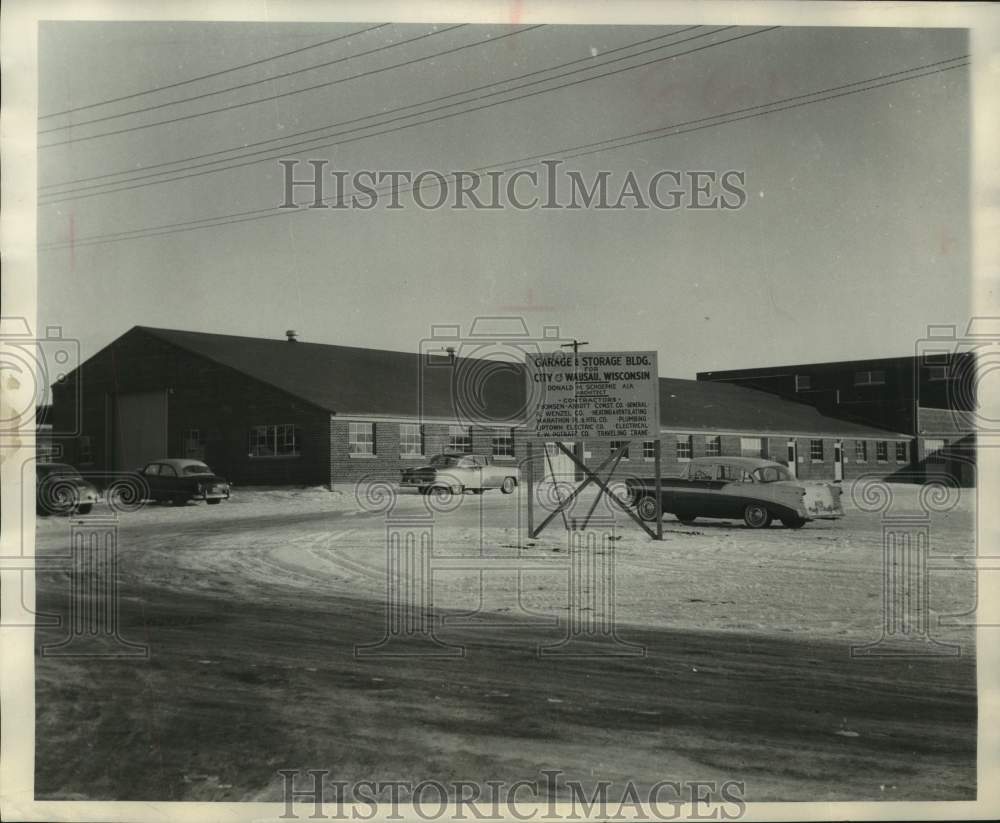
(593, 395)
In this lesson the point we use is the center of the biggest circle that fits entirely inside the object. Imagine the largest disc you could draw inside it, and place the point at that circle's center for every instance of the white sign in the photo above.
(593, 395)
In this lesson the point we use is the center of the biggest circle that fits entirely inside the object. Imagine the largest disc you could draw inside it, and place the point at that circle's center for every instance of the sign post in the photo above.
(594, 396)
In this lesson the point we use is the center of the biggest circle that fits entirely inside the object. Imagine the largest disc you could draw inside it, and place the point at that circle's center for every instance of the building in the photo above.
(281, 411)
(933, 399)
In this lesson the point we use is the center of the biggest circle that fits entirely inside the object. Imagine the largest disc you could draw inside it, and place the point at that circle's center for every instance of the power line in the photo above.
(213, 74)
(296, 91)
(59, 197)
(615, 143)
(248, 84)
(369, 116)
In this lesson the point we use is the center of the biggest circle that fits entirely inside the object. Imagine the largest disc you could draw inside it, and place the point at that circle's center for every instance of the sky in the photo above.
(854, 237)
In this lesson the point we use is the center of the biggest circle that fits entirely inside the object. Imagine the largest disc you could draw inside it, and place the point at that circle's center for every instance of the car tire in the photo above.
(756, 516)
(84, 508)
(215, 502)
(441, 494)
(793, 522)
(646, 509)
(508, 485)
(687, 519)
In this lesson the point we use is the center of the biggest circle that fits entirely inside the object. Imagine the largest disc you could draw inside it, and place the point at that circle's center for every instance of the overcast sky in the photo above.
(854, 237)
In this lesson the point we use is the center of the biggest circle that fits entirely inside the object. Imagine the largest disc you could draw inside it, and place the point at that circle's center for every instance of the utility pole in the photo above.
(575, 345)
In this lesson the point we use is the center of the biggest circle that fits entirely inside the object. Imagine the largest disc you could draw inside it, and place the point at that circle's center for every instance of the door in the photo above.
(838, 461)
(793, 458)
(558, 466)
(139, 423)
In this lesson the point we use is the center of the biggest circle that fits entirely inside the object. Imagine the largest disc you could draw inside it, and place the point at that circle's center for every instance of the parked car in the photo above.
(61, 489)
(448, 474)
(179, 481)
(733, 487)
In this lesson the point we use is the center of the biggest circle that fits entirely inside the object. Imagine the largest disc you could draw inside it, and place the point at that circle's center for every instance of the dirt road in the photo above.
(252, 616)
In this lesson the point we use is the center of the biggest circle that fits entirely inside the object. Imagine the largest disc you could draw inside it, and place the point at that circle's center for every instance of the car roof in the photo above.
(745, 462)
(178, 462)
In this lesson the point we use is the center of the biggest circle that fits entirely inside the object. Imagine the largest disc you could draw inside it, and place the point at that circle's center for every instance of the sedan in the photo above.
(179, 481)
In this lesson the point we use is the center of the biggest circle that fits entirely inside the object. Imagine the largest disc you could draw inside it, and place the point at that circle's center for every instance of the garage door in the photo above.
(139, 422)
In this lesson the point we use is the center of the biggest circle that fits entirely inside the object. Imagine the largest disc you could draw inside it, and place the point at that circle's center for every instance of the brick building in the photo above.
(266, 411)
(931, 397)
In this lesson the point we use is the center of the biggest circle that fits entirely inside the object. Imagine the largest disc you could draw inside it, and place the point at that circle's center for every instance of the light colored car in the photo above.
(60, 489)
(757, 490)
(448, 474)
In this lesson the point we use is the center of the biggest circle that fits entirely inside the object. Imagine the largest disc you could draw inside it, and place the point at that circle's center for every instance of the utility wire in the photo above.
(623, 141)
(295, 91)
(293, 135)
(250, 83)
(213, 74)
(74, 194)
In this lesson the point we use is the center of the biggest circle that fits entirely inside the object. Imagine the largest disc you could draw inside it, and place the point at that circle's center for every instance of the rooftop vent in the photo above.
(291, 334)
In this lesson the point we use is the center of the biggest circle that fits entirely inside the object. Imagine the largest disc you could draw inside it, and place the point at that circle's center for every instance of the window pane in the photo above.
(713, 445)
(649, 448)
(684, 447)
(815, 449)
(881, 451)
(503, 443)
(460, 439)
(901, 453)
(617, 444)
(361, 438)
(751, 447)
(411, 439)
(861, 451)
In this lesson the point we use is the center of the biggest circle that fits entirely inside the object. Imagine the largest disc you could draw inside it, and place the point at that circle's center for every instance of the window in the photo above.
(411, 439)
(617, 444)
(503, 443)
(933, 447)
(882, 451)
(751, 447)
(194, 444)
(167, 471)
(648, 449)
(901, 455)
(875, 377)
(279, 440)
(713, 445)
(361, 439)
(152, 470)
(861, 451)
(460, 439)
(86, 450)
(803, 382)
(684, 447)
(816, 450)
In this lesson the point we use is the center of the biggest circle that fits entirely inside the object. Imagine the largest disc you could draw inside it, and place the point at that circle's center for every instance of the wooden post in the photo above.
(659, 489)
(531, 491)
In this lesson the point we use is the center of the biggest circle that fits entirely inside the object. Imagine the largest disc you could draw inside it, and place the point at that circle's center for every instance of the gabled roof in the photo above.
(346, 380)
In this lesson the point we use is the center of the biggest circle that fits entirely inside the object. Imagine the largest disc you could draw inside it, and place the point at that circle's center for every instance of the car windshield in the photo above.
(771, 474)
(196, 468)
(444, 461)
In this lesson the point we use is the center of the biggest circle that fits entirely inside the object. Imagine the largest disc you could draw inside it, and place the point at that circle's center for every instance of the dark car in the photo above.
(60, 489)
(180, 480)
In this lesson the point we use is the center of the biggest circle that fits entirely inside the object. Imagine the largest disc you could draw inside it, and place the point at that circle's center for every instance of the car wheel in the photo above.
(757, 516)
(793, 522)
(687, 519)
(508, 485)
(84, 508)
(214, 502)
(441, 494)
(646, 509)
